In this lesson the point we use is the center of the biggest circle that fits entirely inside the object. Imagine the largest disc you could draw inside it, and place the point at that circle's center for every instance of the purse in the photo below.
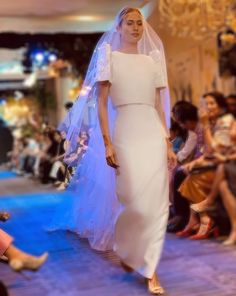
(203, 168)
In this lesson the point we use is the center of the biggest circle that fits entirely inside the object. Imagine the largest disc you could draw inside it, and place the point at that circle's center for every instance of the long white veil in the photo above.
(92, 207)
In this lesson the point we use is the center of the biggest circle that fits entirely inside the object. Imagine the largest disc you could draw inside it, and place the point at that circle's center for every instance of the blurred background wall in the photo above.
(45, 47)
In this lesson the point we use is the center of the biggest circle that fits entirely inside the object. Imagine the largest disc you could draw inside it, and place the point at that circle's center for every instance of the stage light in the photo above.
(52, 57)
(3, 102)
(39, 57)
(84, 18)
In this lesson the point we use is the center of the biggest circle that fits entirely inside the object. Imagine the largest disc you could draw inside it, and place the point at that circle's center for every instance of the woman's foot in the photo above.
(154, 286)
(3, 259)
(188, 230)
(25, 261)
(61, 187)
(231, 240)
(175, 224)
(206, 230)
(203, 206)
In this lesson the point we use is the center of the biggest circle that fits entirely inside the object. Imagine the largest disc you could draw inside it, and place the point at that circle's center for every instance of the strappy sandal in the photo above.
(155, 290)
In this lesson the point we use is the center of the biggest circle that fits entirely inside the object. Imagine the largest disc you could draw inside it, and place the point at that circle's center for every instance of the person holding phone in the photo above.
(197, 186)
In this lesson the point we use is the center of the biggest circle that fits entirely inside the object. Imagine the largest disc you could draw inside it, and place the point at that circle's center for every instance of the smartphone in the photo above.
(202, 105)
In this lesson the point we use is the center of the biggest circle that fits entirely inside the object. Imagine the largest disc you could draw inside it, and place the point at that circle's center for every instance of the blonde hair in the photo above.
(124, 12)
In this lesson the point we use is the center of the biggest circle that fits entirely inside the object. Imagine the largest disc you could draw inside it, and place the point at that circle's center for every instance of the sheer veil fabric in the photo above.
(92, 207)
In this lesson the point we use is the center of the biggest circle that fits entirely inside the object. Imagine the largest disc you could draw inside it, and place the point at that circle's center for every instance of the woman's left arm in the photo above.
(172, 158)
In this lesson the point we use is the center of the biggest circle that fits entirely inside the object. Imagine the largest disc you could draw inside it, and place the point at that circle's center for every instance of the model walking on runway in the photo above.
(121, 184)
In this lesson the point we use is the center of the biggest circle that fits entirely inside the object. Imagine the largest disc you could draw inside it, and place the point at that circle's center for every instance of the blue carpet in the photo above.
(7, 175)
(33, 200)
(188, 268)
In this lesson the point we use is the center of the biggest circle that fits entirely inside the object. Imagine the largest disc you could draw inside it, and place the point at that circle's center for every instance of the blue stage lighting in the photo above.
(52, 57)
(39, 57)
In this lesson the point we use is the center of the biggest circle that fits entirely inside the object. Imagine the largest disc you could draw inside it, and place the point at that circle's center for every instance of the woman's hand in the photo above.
(219, 157)
(172, 158)
(111, 156)
(203, 117)
(188, 167)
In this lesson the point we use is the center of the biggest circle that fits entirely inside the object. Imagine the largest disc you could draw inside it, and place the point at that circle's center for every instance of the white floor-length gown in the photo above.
(139, 141)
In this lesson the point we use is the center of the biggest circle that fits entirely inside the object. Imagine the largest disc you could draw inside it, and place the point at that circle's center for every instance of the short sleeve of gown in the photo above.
(103, 66)
(160, 69)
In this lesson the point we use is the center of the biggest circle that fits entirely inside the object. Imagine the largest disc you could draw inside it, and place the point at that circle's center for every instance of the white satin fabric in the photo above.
(142, 178)
(91, 208)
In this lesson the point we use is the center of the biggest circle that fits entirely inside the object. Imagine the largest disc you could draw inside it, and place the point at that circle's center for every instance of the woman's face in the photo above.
(212, 107)
(63, 135)
(131, 28)
(57, 137)
(84, 136)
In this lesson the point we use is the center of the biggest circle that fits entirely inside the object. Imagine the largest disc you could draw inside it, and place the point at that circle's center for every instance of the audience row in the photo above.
(207, 170)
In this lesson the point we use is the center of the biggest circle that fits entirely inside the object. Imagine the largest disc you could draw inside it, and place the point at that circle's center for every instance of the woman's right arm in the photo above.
(207, 134)
(103, 92)
(188, 147)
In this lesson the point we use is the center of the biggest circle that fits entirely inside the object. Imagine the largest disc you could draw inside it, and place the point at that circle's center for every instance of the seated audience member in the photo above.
(184, 143)
(196, 187)
(58, 159)
(186, 114)
(21, 154)
(44, 144)
(18, 260)
(53, 150)
(177, 136)
(225, 183)
(31, 152)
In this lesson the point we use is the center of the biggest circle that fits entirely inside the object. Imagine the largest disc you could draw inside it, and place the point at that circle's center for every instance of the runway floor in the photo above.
(202, 268)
